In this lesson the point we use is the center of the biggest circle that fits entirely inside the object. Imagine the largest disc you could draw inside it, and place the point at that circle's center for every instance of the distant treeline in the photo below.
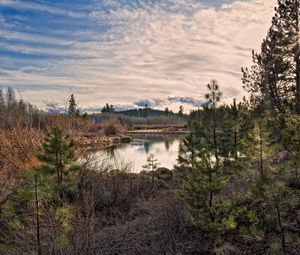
(133, 120)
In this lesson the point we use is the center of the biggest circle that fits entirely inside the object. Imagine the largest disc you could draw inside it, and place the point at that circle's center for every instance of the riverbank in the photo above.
(158, 132)
(101, 141)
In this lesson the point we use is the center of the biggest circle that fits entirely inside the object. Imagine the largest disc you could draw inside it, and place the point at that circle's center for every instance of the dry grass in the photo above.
(17, 153)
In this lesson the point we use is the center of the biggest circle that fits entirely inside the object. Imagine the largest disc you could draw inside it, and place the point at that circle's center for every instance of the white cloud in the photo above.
(171, 48)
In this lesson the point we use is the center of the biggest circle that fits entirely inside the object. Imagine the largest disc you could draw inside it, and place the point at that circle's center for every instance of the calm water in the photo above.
(134, 155)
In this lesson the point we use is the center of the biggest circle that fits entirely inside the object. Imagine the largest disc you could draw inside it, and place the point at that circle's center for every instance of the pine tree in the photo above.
(111, 108)
(72, 106)
(201, 189)
(202, 185)
(268, 200)
(146, 111)
(35, 191)
(58, 158)
(260, 149)
(151, 166)
(180, 112)
(214, 96)
(286, 22)
(188, 152)
(292, 144)
(167, 111)
(275, 74)
(30, 211)
(234, 127)
(108, 108)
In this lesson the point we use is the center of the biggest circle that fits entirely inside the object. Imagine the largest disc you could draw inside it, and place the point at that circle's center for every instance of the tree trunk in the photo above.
(297, 80)
(215, 135)
(37, 210)
(212, 218)
(261, 152)
(57, 175)
(283, 245)
(235, 145)
(297, 60)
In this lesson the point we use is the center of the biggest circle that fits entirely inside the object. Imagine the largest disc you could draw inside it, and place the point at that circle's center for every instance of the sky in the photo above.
(128, 52)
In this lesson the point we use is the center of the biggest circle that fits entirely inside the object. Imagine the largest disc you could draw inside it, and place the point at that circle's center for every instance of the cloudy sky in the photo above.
(128, 52)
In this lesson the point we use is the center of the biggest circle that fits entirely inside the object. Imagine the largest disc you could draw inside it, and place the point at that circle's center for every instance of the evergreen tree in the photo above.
(58, 158)
(151, 166)
(111, 108)
(234, 127)
(37, 190)
(167, 111)
(202, 185)
(29, 211)
(292, 144)
(274, 76)
(180, 112)
(188, 152)
(253, 80)
(72, 111)
(214, 96)
(85, 116)
(201, 189)
(107, 107)
(260, 149)
(286, 23)
(146, 111)
(263, 214)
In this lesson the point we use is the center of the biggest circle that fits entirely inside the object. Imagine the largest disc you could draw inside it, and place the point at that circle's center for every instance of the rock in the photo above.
(126, 139)
(115, 172)
(164, 173)
(116, 139)
(283, 156)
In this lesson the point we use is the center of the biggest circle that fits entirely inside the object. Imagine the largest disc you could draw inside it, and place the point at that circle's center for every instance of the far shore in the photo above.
(158, 131)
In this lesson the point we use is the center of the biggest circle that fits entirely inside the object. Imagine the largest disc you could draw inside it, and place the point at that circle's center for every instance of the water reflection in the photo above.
(134, 155)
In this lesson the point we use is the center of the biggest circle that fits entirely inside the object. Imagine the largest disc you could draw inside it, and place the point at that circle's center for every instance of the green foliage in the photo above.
(151, 166)
(180, 112)
(72, 110)
(188, 152)
(152, 163)
(233, 129)
(274, 76)
(260, 151)
(167, 111)
(26, 211)
(64, 216)
(270, 209)
(266, 210)
(108, 108)
(291, 142)
(214, 95)
(201, 189)
(58, 157)
(269, 215)
(146, 111)
(34, 208)
(204, 180)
